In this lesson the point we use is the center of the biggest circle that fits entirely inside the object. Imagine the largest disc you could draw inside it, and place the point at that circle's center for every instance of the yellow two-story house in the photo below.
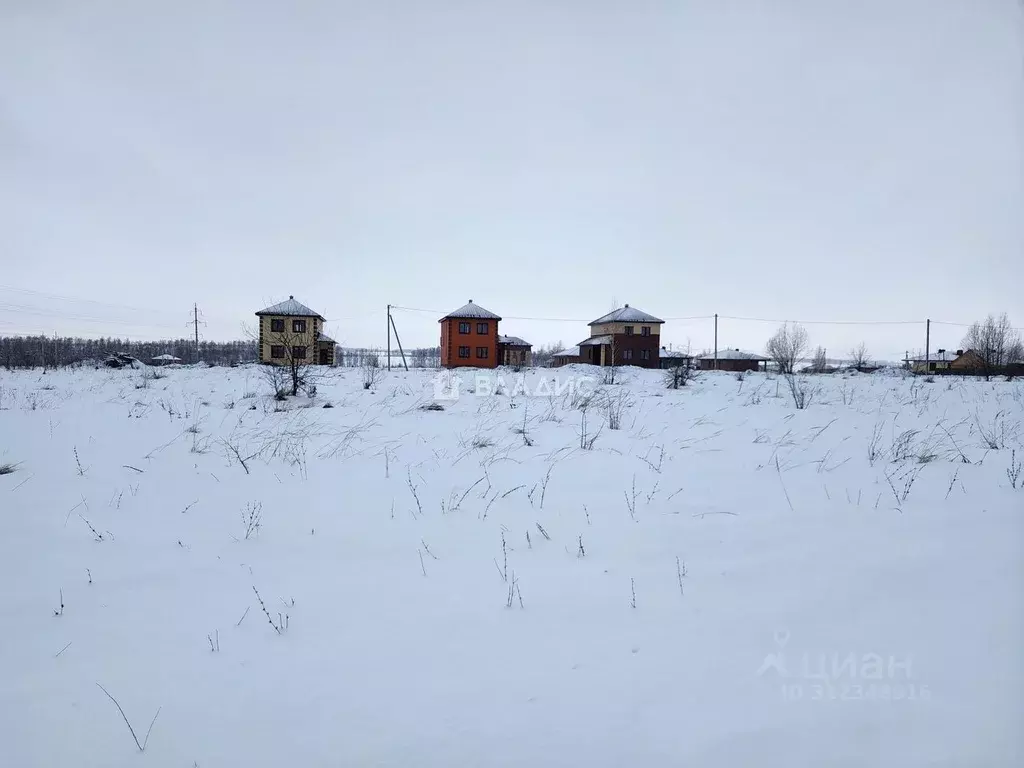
(291, 331)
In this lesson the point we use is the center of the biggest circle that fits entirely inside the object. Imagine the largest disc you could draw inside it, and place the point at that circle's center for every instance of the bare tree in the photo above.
(994, 342)
(859, 357)
(819, 364)
(293, 353)
(787, 346)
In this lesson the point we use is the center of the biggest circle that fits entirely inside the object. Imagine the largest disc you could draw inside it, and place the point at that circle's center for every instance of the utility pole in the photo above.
(716, 341)
(927, 342)
(195, 321)
(389, 337)
(400, 350)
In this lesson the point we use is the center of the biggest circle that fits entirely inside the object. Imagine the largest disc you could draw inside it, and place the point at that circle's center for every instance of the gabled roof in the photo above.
(938, 357)
(568, 352)
(513, 341)
(323, 338)
(734, 354)
(597, 341)
(674, 353)
(626, 314)
(291, 307)
(470, 311)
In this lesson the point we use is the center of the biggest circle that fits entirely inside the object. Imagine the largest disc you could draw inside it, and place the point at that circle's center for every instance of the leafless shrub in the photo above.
(587, 440)
(800, 391)
(233, 449)
(276, 377)
(787, 346)
(678, 376)
(998, 433)
(9, 468)
(901, 484)
(252, 519)
(615, 405)
(372, 372)
(903, 445)
(1014, 470)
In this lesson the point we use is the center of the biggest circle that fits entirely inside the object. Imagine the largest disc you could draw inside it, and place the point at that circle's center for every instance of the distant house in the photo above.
(626, 336)
(469, 337)
(291, 331)
(565, 357)
(514, 351)
(940, 360)
(732, 360)
(673, 359)
(967, 361)
(165, 360)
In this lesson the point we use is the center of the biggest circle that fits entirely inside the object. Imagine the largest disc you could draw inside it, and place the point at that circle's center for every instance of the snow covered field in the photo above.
(724, 580)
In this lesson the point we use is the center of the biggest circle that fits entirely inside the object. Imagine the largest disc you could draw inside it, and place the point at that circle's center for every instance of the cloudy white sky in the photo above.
(793, 159)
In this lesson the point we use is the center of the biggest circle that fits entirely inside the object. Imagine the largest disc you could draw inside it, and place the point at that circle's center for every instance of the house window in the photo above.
(481, 353)
(277, 326)
(627, 354)
(298, 353)
(464, 352)
(629, 330)
(645, 354)
(645, 330)
(481, 328)
(464, 328)
(277, 350)
(298, 326)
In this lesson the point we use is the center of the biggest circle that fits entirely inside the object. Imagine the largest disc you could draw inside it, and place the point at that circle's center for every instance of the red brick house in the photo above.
(469, 338)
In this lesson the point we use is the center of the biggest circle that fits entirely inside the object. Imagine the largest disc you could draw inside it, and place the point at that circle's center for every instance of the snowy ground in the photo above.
(724, 581)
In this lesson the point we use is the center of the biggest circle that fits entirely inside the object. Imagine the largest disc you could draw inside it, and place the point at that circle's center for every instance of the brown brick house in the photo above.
(291, 330)
(469, 338)
(626, 336)
(732, 360)
(514, 351)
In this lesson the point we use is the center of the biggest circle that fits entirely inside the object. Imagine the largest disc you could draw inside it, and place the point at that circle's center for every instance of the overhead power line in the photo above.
(94, 302)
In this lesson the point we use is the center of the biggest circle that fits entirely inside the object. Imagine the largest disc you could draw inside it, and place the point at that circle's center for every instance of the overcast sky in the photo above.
(810, 160)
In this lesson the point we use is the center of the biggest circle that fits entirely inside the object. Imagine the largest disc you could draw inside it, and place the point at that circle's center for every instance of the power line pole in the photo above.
(400, 350)
(195, 321)
(716, 341)
(927, 342)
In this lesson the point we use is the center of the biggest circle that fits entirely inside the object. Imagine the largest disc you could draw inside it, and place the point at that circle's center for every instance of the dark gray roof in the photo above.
(735, 354)
(470, 311)
(596, 341)
(513, 341)
(290, 307)
(626, 314)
